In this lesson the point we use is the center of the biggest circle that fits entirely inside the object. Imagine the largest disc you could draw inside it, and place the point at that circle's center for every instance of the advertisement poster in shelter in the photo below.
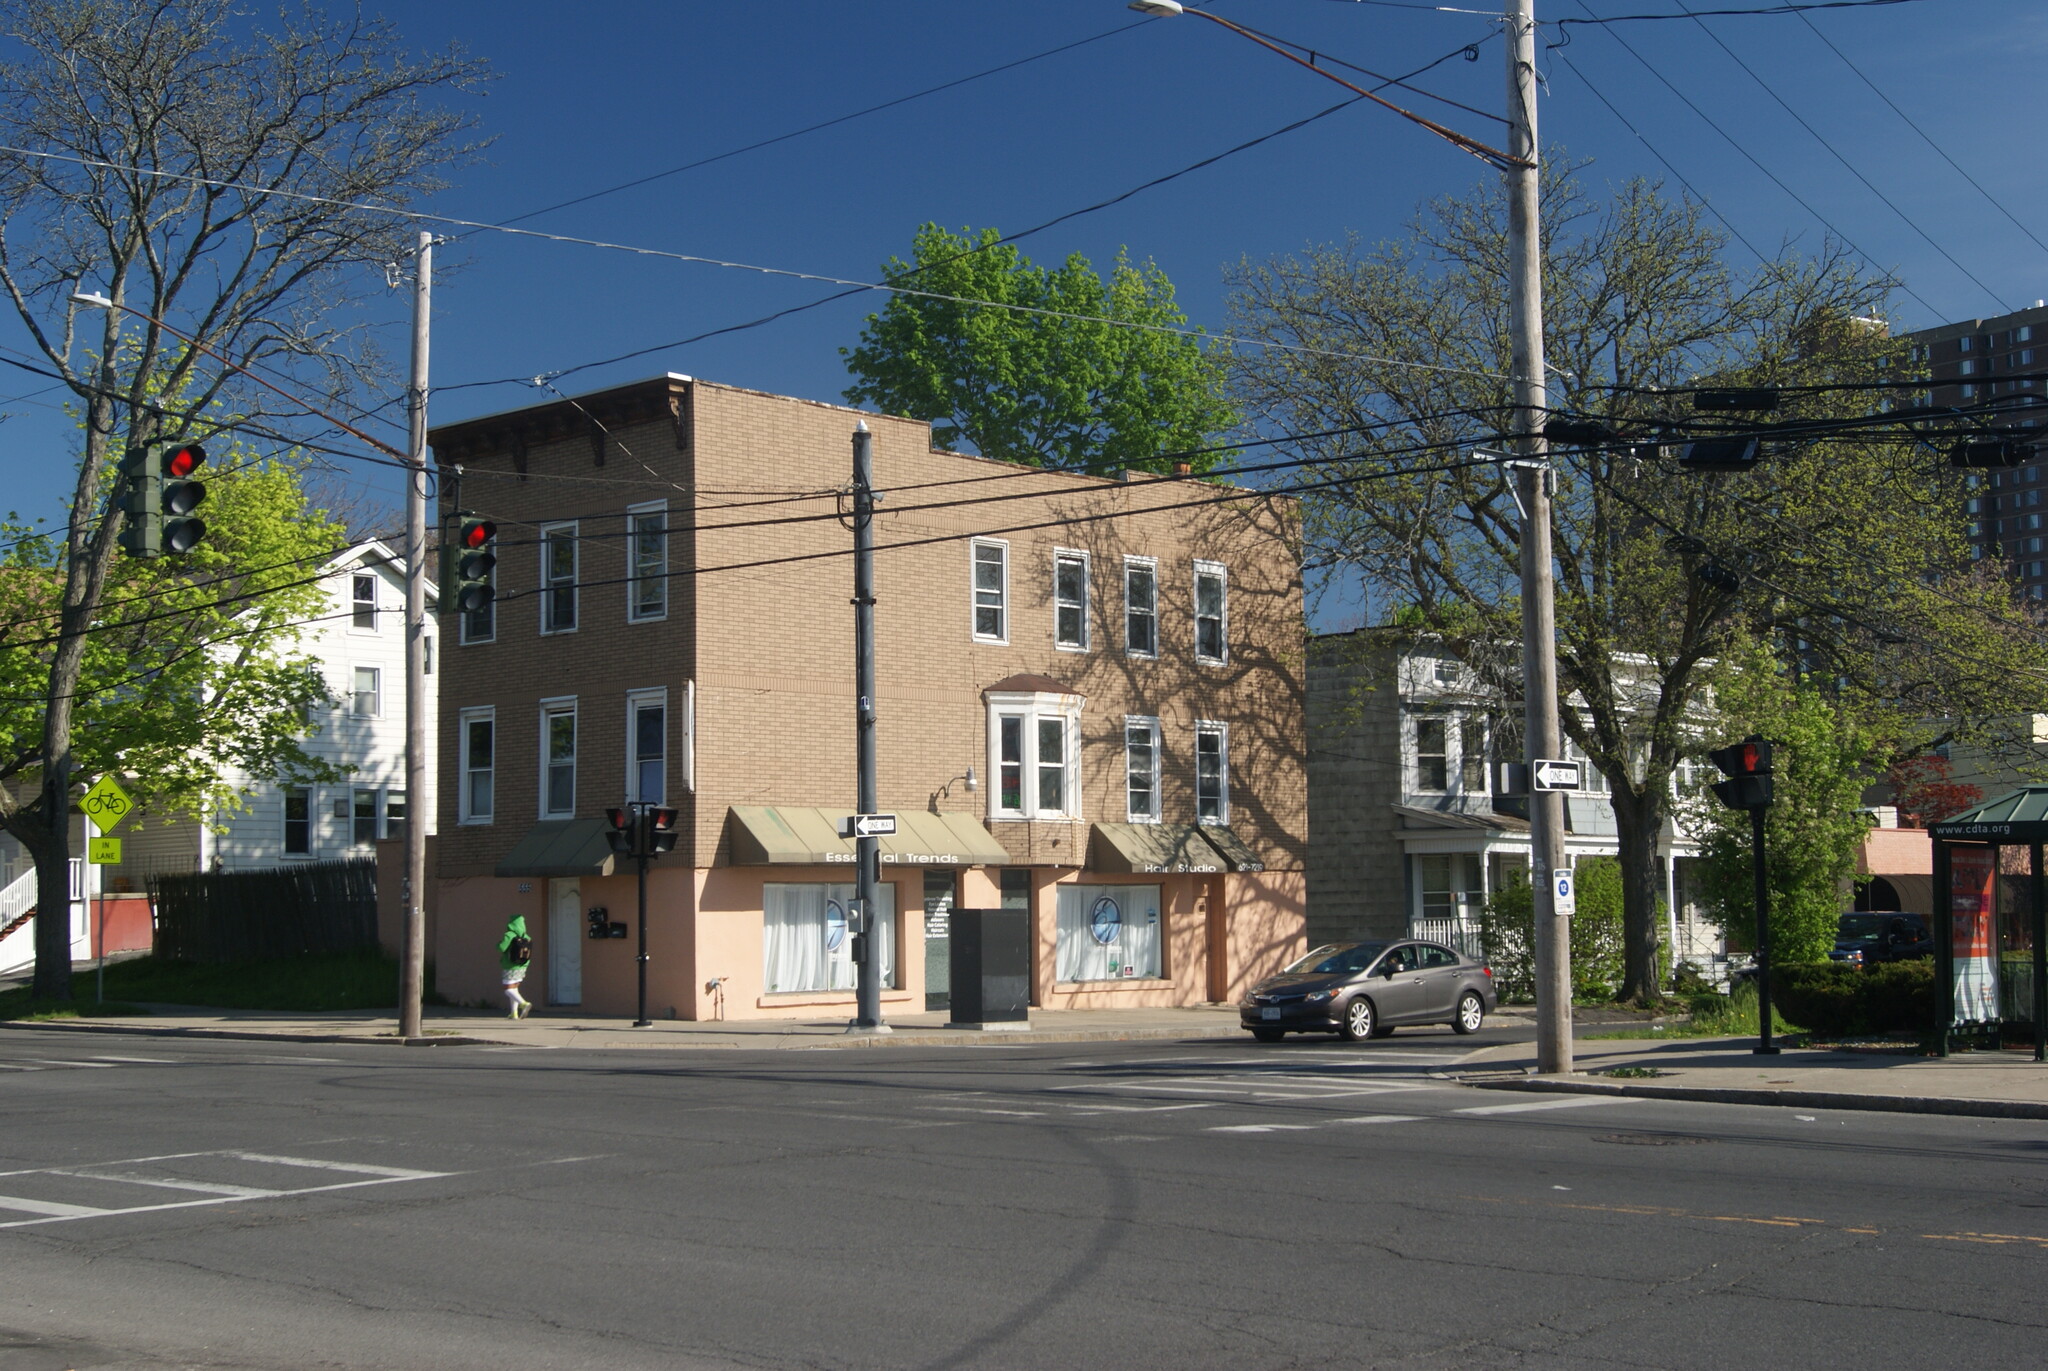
(1971, 913)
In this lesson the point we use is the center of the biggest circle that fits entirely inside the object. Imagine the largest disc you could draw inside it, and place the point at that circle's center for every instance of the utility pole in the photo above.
(1532, 492)
(413, 964)
(867, 847)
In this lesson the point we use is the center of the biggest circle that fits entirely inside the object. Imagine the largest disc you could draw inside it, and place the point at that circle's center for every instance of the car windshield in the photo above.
(1862, 928)
(1339, 958)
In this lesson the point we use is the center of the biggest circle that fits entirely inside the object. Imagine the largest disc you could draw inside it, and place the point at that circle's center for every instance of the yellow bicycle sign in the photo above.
(107, 804)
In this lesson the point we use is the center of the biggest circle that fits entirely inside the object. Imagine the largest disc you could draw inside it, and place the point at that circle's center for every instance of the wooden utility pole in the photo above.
(413, 962)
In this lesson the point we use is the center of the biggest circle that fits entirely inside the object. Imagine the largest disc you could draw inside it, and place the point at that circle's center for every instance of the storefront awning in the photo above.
(1236, 851)
(560, 847)
(1147, 849)
(799, 835)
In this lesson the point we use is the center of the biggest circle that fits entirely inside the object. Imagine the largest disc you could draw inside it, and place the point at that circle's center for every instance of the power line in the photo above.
(1799, 8)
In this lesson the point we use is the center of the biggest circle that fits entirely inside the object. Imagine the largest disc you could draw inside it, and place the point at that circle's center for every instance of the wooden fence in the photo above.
(232, 916)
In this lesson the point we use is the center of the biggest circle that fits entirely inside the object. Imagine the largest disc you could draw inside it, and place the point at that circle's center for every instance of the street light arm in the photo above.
(1492, 156)
(102, 302)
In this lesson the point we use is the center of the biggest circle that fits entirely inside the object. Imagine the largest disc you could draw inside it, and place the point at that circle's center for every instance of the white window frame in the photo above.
(357, 604)
(1002, 606)
(637, 700)
(549, 711)
(1415, 754)
(1216, 569)
(357, 817)
(1132, 814)
(355, 693)
(634, 577)
(305, 793)
(484, 714)
(1217, 729)
(1150, 566)
(1032, 707)
(384, 822)
(549, 587)
(1068, 555)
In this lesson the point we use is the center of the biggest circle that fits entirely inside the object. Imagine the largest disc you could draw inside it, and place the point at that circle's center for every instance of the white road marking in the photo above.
(1262, 1128)
(140, 1061)
(396, 1173)
(59, 1211)
(244, 1192)
(10, 1066)
(51, 1212)
(977, 1109)
(1574, 1102)
(58, 1061)
(1381, 1118)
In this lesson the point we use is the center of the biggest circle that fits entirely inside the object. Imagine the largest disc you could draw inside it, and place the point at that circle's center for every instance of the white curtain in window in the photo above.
(1107, 932)
(804, 942)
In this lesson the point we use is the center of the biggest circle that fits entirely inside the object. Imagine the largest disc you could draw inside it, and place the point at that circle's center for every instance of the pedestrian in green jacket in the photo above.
(515, 951)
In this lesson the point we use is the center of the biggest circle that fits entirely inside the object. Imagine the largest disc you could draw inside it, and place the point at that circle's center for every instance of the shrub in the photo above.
(1836, 1000)
(1507, 929)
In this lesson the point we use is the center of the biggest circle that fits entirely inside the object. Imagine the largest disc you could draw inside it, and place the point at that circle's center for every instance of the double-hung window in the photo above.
(1070, 600)
(1472, 754)
(363, 599)
(364, 832)
(1035, 756)
(1211, 613)
(991, 564)
(647, 746)
(558, 551)
(1141, 769)
(647, 562)
(366, 701)
(1141, 607)
(394, 813)
(1432, 754)
(298, 822)
(558, 759)
(1212, 772)
(478, 737)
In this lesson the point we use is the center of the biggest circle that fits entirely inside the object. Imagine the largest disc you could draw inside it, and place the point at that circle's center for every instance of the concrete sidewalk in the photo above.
(2003, 1084)
(459, 1027)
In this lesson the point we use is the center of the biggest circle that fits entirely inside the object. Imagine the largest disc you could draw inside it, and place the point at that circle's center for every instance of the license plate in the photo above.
(1269, 1013)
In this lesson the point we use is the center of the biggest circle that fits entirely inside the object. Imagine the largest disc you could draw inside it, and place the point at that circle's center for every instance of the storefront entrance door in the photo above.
(938, 960)
(565, 942)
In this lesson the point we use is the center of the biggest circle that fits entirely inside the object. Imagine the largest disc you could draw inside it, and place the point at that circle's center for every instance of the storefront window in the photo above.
(1107, 932)
(805, 943)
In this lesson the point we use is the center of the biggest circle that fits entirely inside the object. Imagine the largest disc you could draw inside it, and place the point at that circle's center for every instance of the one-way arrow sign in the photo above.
(1554, 775)
(867, 826)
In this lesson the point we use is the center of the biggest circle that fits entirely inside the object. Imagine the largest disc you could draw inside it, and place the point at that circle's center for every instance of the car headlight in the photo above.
(1318, 996)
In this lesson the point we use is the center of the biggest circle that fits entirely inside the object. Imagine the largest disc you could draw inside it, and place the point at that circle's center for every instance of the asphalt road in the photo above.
(1133, 1205)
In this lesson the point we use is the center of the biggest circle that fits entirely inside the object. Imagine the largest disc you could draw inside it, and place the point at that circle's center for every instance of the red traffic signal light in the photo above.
(477, 532)
(1747, 765)
(620, 833)
(661, 829)
(183, 460)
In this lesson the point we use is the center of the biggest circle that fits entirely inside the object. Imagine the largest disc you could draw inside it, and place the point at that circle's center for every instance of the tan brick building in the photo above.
(1119, 663)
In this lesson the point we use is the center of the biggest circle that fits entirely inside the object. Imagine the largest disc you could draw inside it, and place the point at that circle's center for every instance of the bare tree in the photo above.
(219, 177)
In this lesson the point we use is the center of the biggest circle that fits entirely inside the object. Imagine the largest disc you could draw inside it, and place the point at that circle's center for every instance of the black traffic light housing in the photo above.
(1747, 765)
(622, 827)
(466, 584)
(1739, 452)
(158, 494)
(641, 830)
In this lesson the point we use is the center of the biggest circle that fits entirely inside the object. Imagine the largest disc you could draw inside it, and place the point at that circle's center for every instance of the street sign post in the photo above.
(1564, 902)
(1554, 775)
(107, 804)
(867, 826)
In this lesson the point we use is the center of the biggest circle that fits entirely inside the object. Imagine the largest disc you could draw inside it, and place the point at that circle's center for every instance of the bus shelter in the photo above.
(1985, 944)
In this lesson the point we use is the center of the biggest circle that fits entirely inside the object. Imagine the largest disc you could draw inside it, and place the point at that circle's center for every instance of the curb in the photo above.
(1800, 1099)
(247, 1035)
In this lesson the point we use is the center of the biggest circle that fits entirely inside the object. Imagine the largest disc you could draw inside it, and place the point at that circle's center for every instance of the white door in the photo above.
(565, 942)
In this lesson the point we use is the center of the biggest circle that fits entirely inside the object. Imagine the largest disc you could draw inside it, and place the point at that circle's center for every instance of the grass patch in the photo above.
(1712, 1015)
(324, 982)
(1632, 1072)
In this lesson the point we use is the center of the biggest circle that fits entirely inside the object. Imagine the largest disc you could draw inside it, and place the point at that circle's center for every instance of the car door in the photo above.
(1397, 985)
(1441, 974)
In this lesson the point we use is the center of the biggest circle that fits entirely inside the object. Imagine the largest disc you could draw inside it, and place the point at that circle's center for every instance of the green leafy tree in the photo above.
(1823, 756)
(1507, 931)
(1081, 372)
(219, 178)
(1850, 544)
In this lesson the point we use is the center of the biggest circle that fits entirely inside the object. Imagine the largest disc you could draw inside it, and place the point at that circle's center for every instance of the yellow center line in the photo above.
(1772, 1221)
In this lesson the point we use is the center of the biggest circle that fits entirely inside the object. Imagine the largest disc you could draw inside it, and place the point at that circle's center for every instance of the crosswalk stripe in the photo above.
(1574, 1102)
(394, 1172)
(243, 1192)
(53, 1210)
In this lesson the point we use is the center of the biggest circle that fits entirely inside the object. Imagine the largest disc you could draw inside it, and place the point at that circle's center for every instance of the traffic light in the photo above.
(1990, 453)
(1736, 397)
(158, 495)
(1736, 453)
(1747, 765)
(474, 561)
(661, 829)
(623, 827)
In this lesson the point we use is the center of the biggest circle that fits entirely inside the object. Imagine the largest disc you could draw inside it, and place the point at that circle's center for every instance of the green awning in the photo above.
(1236, 852)
(1151, 849)
(560, 847)
(2020, 817)
(800, 835)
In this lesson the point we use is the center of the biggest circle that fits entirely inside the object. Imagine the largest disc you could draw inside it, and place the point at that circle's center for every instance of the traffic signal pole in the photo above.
(1764, 1045)
(1532, 493)
(867, 847)
(643, 823)
(412, 965)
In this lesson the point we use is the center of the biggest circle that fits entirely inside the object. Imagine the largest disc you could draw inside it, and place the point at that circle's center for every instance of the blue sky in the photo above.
(607, 91)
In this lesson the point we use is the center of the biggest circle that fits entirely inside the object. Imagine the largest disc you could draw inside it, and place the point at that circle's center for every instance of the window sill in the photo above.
(1114, 983)
(787, 998)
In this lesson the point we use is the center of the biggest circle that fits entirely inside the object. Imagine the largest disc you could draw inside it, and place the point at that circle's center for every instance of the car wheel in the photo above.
(1359, 1020)
(1471, 1014)
(1269, 1035)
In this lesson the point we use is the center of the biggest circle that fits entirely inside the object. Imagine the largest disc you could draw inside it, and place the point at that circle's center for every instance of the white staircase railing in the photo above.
(18, 898)
(17, 948)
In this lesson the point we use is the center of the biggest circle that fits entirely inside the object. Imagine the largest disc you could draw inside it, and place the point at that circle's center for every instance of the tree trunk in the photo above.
(1638, 822)
(53, 888)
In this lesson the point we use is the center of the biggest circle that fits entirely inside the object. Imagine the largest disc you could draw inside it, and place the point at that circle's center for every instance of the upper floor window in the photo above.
(1141, 769)
(478, 739)
(2023, 334)
(558, 760)
(558, 552)
(647, 562)
(1070, 600)
(1210, 612)
(1966, 368)
(991, 590)
(1472, 754)
(363, 599)
(1432, 754)
(366, 701)
(647, 742)
(1963, 344)
(1035, 756)
(1141, 607)
(1212, 772)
